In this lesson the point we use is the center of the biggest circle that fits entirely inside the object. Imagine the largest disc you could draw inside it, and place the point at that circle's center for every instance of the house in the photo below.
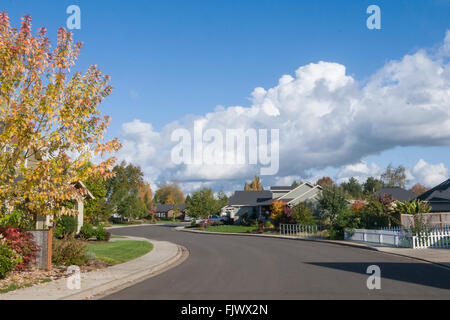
(438, 197)
(258, 203)
(166, 211)
(252, 203)
(397, 193)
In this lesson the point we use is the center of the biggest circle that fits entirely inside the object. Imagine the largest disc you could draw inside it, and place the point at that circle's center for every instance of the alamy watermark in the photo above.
(374, 281)
(74, 20)
(74, 279)
(215, 147)
(374, 20)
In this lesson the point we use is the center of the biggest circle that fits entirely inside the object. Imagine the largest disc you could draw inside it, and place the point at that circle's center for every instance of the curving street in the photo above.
(234, 267)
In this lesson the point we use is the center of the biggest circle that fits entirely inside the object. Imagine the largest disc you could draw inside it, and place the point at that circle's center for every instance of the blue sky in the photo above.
(168, 59)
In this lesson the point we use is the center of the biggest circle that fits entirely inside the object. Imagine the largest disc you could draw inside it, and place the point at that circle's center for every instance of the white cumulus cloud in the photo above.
(430, 175)
(325, 119)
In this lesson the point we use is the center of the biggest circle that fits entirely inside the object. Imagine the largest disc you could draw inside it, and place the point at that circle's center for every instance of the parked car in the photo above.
(216, 219)
(212, 219)
(187, 219)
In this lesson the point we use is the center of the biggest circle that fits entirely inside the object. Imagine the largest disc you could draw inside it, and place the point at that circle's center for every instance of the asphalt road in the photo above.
(235, 267)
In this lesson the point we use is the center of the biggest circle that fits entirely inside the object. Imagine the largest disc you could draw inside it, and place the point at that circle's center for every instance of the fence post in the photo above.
(49, 248)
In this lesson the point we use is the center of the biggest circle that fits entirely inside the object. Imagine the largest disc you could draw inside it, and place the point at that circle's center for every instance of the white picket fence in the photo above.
(434, 239)
(435, 228)
(298, 230)
(381, 237)
(403, 238)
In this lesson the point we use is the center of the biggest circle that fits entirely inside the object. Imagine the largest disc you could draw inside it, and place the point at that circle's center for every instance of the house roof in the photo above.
(168, 207)
(292, 192)
(397, 193)
(80, 184)
(440, 193)
(249, 198)
(282, 188)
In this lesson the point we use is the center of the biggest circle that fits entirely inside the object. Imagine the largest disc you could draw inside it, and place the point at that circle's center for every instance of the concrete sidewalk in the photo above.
(437, 256)
(165, 255)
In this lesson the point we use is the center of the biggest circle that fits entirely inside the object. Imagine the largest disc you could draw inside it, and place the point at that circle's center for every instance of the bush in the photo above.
(65, 226)
(69, 251)
(303, 214)
(87, 231)
(346, 219)
(9, 258)
(101, 234)
(17, 219)
(21, 242)
(269, 225)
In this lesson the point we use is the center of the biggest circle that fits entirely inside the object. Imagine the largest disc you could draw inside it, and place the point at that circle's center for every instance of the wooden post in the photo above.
(49, 248)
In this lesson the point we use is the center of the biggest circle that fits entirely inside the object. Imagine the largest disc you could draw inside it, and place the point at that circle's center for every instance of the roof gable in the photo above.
(298, 191)
(440, 193)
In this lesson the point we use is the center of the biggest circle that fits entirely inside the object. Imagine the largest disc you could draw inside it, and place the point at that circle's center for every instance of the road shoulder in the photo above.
(94, 285)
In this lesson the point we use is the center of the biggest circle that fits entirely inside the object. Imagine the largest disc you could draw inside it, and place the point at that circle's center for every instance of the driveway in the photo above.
(234, 267)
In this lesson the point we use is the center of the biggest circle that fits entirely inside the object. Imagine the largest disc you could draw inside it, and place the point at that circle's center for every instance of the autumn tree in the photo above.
(418, 189)
(255, 185)
(325, 181)
(50, 124)
(145, 194)
(170, 194)
(277, 211)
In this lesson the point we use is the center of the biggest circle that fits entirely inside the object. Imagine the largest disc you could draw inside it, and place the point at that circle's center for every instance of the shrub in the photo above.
(17, 219)
(65, 226)
(9, 258)
(101, 234)
(87, 231)
(346, 219)
(21, 242)
(303, 214)
(268, 225)
(69, 251)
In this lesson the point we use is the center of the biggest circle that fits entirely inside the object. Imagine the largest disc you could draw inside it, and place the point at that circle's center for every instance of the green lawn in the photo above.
(231, 228)
(119, 251)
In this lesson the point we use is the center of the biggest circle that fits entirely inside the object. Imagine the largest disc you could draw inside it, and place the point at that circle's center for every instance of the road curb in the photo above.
(341, 243)
(100, 283)
(131, 279)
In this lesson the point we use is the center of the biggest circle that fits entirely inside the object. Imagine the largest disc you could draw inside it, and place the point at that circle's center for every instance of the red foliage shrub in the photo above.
(358, 205)
(22, 242)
